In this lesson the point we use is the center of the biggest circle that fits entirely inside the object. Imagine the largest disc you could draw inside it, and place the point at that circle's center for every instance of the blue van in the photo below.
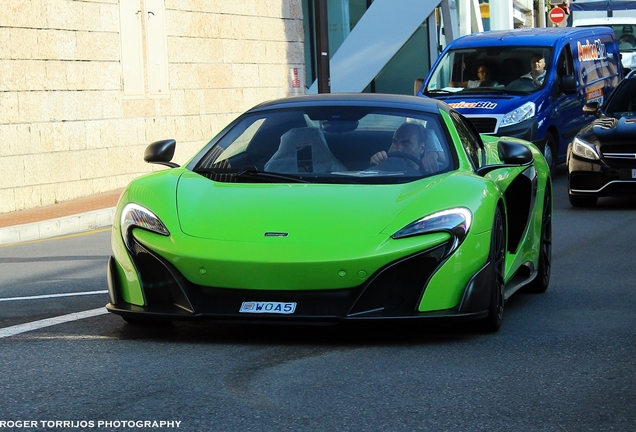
(534, 82)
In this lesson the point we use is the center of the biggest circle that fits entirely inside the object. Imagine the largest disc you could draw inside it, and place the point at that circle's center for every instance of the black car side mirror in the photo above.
(512, 154)
(591, 108)
(161, 152)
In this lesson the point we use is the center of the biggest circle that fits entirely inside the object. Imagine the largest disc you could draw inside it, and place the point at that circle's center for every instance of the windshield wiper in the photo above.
(253, 172)
(440, 91)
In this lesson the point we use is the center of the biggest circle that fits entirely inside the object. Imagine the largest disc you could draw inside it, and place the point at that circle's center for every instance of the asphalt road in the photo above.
(563, 361)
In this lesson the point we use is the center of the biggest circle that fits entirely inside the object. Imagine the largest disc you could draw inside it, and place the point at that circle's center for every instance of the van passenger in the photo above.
(484, 79)
(537, 70)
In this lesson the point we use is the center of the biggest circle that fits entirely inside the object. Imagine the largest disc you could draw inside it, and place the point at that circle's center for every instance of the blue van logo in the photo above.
(591, 52)
(473, 105)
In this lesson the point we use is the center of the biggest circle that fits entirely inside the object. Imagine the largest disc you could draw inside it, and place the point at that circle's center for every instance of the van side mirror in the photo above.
(161, 152)
(417, 85)
(568, 84)
(591, 108)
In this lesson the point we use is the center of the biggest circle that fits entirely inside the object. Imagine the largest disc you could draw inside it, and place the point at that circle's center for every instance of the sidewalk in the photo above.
(82, 214)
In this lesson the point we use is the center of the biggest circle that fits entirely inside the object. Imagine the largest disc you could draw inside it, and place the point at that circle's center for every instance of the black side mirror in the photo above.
(568, 84)
(161, 152)
(512, 154)
(591, 108)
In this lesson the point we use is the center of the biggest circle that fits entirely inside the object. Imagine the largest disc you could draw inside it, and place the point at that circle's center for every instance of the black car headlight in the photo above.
(584, 149)
(136, 216)
(456, 222)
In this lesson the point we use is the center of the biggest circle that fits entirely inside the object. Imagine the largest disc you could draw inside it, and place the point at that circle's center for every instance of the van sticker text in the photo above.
(591, 51)
(472, 105)
(594, 96)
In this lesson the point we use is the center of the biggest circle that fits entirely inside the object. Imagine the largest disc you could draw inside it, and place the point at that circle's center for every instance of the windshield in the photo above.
(623, 100)
(330, 145)
(626, 44)
(490, 70)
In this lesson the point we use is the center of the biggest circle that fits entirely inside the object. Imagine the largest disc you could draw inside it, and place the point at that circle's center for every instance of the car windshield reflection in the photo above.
(329, 145)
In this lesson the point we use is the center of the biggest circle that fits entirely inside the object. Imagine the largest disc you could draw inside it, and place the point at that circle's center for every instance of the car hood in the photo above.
(611, 131)
(300, 211)
(474, 103)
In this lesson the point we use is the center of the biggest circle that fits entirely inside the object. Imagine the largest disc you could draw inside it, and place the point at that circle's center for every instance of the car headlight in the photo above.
(584, 149)
(136, 216)
(524, 112)
(456, 222)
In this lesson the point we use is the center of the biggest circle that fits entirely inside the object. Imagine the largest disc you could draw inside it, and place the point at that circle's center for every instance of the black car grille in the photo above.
(588, 181)
(484, 124)
(619, 156)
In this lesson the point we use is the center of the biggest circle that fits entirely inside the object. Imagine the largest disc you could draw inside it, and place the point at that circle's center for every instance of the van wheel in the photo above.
(548, 151)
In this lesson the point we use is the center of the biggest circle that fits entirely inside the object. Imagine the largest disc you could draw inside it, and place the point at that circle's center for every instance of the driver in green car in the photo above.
(412, 139)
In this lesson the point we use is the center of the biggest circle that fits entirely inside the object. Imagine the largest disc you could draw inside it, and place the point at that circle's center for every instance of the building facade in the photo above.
(383, 46)
(86, 85)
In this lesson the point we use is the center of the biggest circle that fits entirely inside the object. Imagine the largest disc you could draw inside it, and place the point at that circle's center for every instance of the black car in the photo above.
(601, 160)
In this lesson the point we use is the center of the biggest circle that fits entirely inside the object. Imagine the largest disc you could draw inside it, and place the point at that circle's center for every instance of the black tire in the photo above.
(542, 280)
(582, 200)
(549, 152)
(493, 321)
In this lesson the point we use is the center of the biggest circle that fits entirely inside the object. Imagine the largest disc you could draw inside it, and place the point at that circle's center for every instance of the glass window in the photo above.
(411, 62)
(470, 142)
(491, 70)
(342, 17)
(623, 100)
(330, 144)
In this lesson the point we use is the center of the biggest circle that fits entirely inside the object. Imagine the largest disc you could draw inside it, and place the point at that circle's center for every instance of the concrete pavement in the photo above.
(82, 214)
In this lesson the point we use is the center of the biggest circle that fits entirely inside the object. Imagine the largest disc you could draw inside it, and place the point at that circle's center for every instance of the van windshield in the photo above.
(626, 44)
(506, 69)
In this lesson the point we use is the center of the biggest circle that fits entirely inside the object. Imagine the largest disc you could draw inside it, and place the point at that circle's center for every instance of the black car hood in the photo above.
(610, 131)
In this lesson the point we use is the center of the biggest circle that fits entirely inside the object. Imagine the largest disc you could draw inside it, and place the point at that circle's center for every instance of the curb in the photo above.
(57, 227)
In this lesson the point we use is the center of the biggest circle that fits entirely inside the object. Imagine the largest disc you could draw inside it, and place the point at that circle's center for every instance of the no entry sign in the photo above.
(556, 15)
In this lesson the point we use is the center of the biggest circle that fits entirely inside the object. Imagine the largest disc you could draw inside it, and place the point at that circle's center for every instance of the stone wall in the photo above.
(67, 129)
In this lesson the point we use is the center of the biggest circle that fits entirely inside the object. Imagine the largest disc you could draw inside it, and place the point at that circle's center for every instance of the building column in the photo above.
(503, 19)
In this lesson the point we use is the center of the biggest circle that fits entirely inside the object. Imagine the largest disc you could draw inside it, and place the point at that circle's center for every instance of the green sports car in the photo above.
(335, 207)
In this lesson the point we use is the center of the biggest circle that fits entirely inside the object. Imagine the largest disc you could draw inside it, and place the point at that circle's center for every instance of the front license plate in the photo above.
(633, 172)
(268, 307)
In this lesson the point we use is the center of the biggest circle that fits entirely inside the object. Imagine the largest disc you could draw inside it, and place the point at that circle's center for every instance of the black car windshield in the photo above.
(505, 69)
(318, 144)
(622, 103)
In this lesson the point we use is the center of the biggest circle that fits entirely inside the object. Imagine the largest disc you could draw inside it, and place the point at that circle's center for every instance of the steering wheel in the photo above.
(404, 155)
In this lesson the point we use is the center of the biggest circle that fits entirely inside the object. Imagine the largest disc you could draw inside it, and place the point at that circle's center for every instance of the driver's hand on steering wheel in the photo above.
(378, 157)
(429, 162)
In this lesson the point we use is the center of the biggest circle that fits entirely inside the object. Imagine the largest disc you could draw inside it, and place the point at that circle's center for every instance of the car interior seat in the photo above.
(510, 70)
(303, 150)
